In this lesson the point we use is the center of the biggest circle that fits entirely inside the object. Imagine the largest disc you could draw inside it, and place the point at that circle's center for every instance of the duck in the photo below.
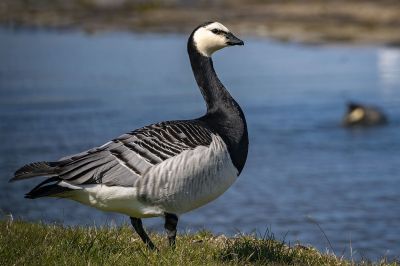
(363, 115)
(164, 169)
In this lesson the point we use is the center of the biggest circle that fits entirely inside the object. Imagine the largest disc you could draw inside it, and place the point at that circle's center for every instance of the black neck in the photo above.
(213, 91)
(223, 115)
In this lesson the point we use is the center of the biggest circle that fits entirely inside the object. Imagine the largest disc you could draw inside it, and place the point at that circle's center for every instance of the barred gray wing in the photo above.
(123, 160)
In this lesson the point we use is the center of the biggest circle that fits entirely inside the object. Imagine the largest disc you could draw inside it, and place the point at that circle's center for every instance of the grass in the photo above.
(23, 243)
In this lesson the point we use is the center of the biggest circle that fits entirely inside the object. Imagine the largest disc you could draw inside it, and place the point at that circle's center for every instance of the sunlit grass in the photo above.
(23, 243)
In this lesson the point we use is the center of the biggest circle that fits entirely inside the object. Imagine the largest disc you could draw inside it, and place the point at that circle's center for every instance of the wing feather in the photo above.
(124, 160)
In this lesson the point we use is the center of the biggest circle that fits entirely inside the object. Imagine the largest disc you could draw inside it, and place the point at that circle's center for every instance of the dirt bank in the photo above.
(354, 21)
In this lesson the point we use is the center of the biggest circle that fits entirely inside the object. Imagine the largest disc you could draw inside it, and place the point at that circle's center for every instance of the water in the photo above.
(64, 92)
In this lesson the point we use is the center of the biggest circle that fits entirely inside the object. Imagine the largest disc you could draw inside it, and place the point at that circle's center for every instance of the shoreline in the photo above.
(313, 22)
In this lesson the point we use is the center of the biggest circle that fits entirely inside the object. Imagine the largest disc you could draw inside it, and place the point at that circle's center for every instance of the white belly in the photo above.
(111, 198)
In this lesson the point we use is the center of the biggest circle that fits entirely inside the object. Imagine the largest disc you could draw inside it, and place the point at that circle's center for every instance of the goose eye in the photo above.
(216, 31)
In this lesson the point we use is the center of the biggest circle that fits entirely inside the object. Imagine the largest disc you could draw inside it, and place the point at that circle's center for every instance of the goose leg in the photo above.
(171, 221)
(137, 225)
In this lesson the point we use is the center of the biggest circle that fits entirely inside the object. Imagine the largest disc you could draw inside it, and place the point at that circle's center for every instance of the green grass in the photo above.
(23, 243)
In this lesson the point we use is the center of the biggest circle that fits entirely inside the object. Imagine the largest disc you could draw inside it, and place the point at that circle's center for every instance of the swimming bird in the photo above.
(363, 115)
(164, 169)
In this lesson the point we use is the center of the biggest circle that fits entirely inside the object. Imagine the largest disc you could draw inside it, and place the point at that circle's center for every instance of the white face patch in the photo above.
(356, 115)
(208, 42)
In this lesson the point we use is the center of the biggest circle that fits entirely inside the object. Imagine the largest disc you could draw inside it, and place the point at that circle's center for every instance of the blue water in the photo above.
(65, 92)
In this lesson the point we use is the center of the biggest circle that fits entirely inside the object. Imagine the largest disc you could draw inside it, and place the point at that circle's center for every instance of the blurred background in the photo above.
(77, 73)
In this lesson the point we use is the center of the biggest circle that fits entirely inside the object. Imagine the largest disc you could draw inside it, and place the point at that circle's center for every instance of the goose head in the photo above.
(212, 36)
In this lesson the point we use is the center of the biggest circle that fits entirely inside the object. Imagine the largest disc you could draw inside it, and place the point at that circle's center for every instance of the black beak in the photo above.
(233, 40)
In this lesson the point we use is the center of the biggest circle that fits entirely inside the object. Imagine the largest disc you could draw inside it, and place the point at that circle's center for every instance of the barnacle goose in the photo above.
(363, 115)
(163, 169)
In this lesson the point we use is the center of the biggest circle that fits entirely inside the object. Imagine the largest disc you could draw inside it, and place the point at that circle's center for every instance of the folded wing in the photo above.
(120, 162)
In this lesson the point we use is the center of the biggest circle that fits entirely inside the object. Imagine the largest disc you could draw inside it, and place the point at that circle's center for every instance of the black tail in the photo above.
(36, 169)
(48, 190)
(44, 189)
